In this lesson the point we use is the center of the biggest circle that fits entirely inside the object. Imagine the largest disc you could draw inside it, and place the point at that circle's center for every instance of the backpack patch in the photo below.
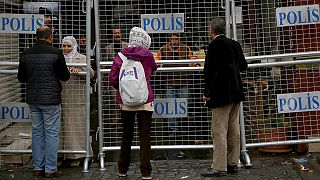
(133, 86)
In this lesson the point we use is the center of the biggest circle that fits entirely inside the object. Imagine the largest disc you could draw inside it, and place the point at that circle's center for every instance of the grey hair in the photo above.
(218, 25)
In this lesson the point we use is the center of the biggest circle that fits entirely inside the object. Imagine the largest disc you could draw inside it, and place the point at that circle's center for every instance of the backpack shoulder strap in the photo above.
(123, 57)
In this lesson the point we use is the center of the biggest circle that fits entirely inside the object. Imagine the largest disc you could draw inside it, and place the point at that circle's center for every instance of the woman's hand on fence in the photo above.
(74, 70)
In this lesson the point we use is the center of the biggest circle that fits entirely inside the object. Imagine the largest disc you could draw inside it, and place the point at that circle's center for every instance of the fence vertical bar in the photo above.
(234, 24)
(244, 155)
(88, 50)
(227, 17)
(98, 44)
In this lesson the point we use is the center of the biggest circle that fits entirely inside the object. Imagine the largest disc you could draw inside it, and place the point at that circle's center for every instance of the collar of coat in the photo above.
(220, 36)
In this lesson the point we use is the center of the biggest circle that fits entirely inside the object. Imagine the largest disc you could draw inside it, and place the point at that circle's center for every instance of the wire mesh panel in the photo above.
(191, 129)
(20, 19)
(14, 135)
(125, 14)
(110, 115)
(265, 113)
(257, 31)
(265, 27)
(116, 19)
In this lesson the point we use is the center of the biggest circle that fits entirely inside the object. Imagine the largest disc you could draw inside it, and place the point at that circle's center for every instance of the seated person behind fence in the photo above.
(82, 39)
(73, 123)
(112, 49)
(110, 108)
(176, 82)
(139, 43)
(48, 21)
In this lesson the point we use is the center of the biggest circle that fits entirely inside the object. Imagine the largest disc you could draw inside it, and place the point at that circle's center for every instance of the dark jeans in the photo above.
(144, 127)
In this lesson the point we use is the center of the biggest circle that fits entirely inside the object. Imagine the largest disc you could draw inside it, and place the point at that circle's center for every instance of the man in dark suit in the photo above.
(223, 93)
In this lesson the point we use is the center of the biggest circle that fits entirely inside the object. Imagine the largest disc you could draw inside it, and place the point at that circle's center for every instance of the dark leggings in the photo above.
(144, 127)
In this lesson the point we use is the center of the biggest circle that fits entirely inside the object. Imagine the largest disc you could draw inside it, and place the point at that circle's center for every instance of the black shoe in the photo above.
(213, 173)
(232, 169)
(38, 173)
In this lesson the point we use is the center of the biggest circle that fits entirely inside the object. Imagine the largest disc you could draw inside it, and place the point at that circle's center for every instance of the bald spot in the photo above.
(43, 33)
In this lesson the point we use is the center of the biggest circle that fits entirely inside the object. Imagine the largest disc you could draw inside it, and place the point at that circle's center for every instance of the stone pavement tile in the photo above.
(264, 167)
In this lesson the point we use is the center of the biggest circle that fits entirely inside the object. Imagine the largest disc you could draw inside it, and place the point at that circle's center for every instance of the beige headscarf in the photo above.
(73, 42)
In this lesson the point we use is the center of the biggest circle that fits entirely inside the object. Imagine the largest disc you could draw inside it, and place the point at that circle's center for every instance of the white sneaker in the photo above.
(146, 177)
(122, 175)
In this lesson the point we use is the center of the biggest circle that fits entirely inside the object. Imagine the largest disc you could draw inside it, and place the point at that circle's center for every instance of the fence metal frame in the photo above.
(87, 140)
(230, 13)
(229, 6)
(86, 8)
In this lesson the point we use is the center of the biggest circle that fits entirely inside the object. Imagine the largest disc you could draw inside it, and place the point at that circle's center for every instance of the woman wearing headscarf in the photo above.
(73, 121)
(139, 43)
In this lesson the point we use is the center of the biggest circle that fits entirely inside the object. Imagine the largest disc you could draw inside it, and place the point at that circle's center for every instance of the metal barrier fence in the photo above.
(262, 27)
(16, 128)
(252, 23)
(190, 120)
(264, 111)
(262, 124)
(19, 20)
(281, 104)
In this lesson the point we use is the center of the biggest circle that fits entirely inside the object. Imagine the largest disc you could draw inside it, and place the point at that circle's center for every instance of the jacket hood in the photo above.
(137, 53)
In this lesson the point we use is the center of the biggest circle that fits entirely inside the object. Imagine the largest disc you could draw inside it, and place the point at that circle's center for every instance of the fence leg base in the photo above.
(86, 165)
(245, 159)
(101, 157)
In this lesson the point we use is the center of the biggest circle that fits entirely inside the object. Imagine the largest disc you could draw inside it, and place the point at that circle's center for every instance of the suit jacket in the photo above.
(223, 64)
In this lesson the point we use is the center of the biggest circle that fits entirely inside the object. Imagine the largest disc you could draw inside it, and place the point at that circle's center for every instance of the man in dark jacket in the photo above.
(223, 92)
(42, 67)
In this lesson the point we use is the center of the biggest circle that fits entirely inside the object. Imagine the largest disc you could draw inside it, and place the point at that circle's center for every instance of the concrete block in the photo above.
(314, 147)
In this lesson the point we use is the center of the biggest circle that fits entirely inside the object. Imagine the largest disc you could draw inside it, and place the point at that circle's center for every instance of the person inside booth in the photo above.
(176, 83)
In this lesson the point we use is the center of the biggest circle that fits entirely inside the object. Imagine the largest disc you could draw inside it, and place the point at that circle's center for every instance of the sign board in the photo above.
(15, 112)
(20, 23)
(163, 23)
(298, 15)
(298, 102)
(170, 108)
(238, 15)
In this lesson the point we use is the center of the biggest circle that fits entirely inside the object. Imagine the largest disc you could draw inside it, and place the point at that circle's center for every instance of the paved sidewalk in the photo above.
(265, 166)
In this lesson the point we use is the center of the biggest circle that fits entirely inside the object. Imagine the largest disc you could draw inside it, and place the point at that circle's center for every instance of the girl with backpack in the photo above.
(139, 43)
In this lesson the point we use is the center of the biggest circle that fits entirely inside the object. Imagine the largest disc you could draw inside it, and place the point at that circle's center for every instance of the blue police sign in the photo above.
(20, 23)
(170, 108)
(163, 23)
(298, 15)
(15, 112)
(298, 102)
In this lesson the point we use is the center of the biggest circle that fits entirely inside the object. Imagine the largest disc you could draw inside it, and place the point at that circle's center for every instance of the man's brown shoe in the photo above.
(53, 174)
